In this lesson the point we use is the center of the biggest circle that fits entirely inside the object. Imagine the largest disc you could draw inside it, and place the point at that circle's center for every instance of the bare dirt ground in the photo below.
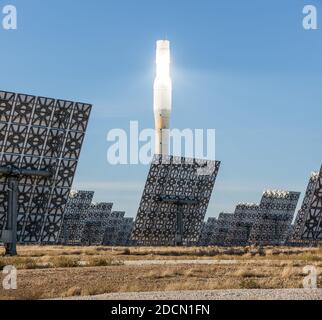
(56, 272)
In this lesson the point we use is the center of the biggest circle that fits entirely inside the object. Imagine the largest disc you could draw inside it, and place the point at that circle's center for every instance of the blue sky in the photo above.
(246, 68)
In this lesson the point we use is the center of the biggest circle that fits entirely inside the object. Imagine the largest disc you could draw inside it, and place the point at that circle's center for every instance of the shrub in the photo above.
(64, 262)
(249, 284)
(127, 251)
(100, 262)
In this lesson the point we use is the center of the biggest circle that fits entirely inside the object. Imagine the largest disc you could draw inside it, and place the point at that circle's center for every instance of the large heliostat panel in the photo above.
(43, 134)
(276, 212)
(174, 177)
(312, 230)
(307, 221)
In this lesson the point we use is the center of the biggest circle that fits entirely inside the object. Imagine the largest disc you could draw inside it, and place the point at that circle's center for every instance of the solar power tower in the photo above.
(246, 214)
(308, 224)
(78, 205)
(276, 212)
(40, 143)
(174, 201)
(207, 232)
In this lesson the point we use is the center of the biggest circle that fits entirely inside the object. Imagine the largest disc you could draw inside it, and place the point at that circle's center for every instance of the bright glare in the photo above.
(163, 59)
(162, 83)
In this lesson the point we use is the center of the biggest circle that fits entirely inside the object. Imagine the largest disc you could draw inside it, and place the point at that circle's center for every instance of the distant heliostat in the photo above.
(245, 216)
(76, 213)
(95, 223)
(275, 216)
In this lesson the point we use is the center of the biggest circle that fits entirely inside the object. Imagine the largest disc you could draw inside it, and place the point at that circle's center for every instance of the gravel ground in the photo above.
(258, 294)
(175, 262)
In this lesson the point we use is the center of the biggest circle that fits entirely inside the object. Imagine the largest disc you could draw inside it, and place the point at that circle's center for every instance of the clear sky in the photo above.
(246, 68)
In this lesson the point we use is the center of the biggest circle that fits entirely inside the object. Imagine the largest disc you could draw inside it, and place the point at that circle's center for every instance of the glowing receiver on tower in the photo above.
(162, 97)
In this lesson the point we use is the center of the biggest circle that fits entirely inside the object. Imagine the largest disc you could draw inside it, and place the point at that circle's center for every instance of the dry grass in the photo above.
(246, 273)
(46, 272)
(135, 253)
(50, 258)
(244, 253)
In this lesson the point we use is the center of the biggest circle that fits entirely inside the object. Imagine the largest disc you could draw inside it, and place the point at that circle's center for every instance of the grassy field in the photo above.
(49, 272)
